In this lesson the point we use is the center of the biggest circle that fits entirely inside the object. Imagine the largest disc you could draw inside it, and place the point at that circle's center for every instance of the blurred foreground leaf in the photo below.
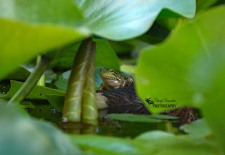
(189, 69)
(29, 28)
(99, 145)
(155, 143)
(161, 143)
(180, 70)
(22, 135)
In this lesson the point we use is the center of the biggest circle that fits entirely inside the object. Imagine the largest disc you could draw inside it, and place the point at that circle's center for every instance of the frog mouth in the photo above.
(109, 78)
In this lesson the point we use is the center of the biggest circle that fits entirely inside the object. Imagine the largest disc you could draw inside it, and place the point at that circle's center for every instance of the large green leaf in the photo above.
(213, 94)
(118, 20)
(22, 135)
(189, 68)
(154, 143)
(28, 28)
(161, 143)
(175, 70)
(64, 12)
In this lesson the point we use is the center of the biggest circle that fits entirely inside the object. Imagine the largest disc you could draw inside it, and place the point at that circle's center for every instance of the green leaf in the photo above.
(56, 102)
(80, 100)
(22, 135)
(138, 118)
(20, 73)
(99, 145)
(161, 143)
(64, 57)
(173, 71)
(62, 82)
(204, 4)
(213, 92)
(29, 28)
(121, 47)
(89, 102)
(64, 12)
(189, 67)
(105, 55)
(119, 20)
(198, 128)
(38, 92)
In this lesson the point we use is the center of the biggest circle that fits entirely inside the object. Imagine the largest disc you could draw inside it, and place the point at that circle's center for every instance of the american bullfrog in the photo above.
(117, 93)
(113, 79)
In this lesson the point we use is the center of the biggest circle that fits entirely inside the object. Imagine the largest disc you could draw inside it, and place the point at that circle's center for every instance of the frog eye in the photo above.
(102, 70)
(111, 71)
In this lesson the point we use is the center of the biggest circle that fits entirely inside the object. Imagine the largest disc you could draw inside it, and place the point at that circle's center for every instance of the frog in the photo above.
(113, 79)
(117, 94)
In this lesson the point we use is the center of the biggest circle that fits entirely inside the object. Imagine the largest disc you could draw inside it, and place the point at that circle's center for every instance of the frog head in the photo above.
(113, 79)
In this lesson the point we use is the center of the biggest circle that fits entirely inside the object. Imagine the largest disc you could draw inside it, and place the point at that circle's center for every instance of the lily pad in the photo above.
(38, 92)
(119, 20)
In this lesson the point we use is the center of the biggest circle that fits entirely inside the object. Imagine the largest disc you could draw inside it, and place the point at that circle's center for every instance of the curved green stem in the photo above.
(31, 81)
(41, 81)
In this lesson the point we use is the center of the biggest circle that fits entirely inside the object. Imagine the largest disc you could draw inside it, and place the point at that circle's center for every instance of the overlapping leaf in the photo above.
(189, 68)
(118, 20)
(181, 69)
(22, 135)
(32, 27)
(28, 28)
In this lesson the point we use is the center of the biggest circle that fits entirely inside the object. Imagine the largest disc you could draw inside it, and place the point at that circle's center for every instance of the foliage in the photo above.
(119, 20)
(80, 99)
(195, 80)
(38, 25)
(21, 134)
(186, 68)
(39, 92)
(198, 128)
(140, 118)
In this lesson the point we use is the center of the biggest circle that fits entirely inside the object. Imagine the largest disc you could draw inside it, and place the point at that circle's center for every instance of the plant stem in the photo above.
(31, 81)
(41, 81)
(80, 100)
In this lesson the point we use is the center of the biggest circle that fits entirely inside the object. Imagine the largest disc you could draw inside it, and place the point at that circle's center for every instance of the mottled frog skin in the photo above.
(113, 79)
